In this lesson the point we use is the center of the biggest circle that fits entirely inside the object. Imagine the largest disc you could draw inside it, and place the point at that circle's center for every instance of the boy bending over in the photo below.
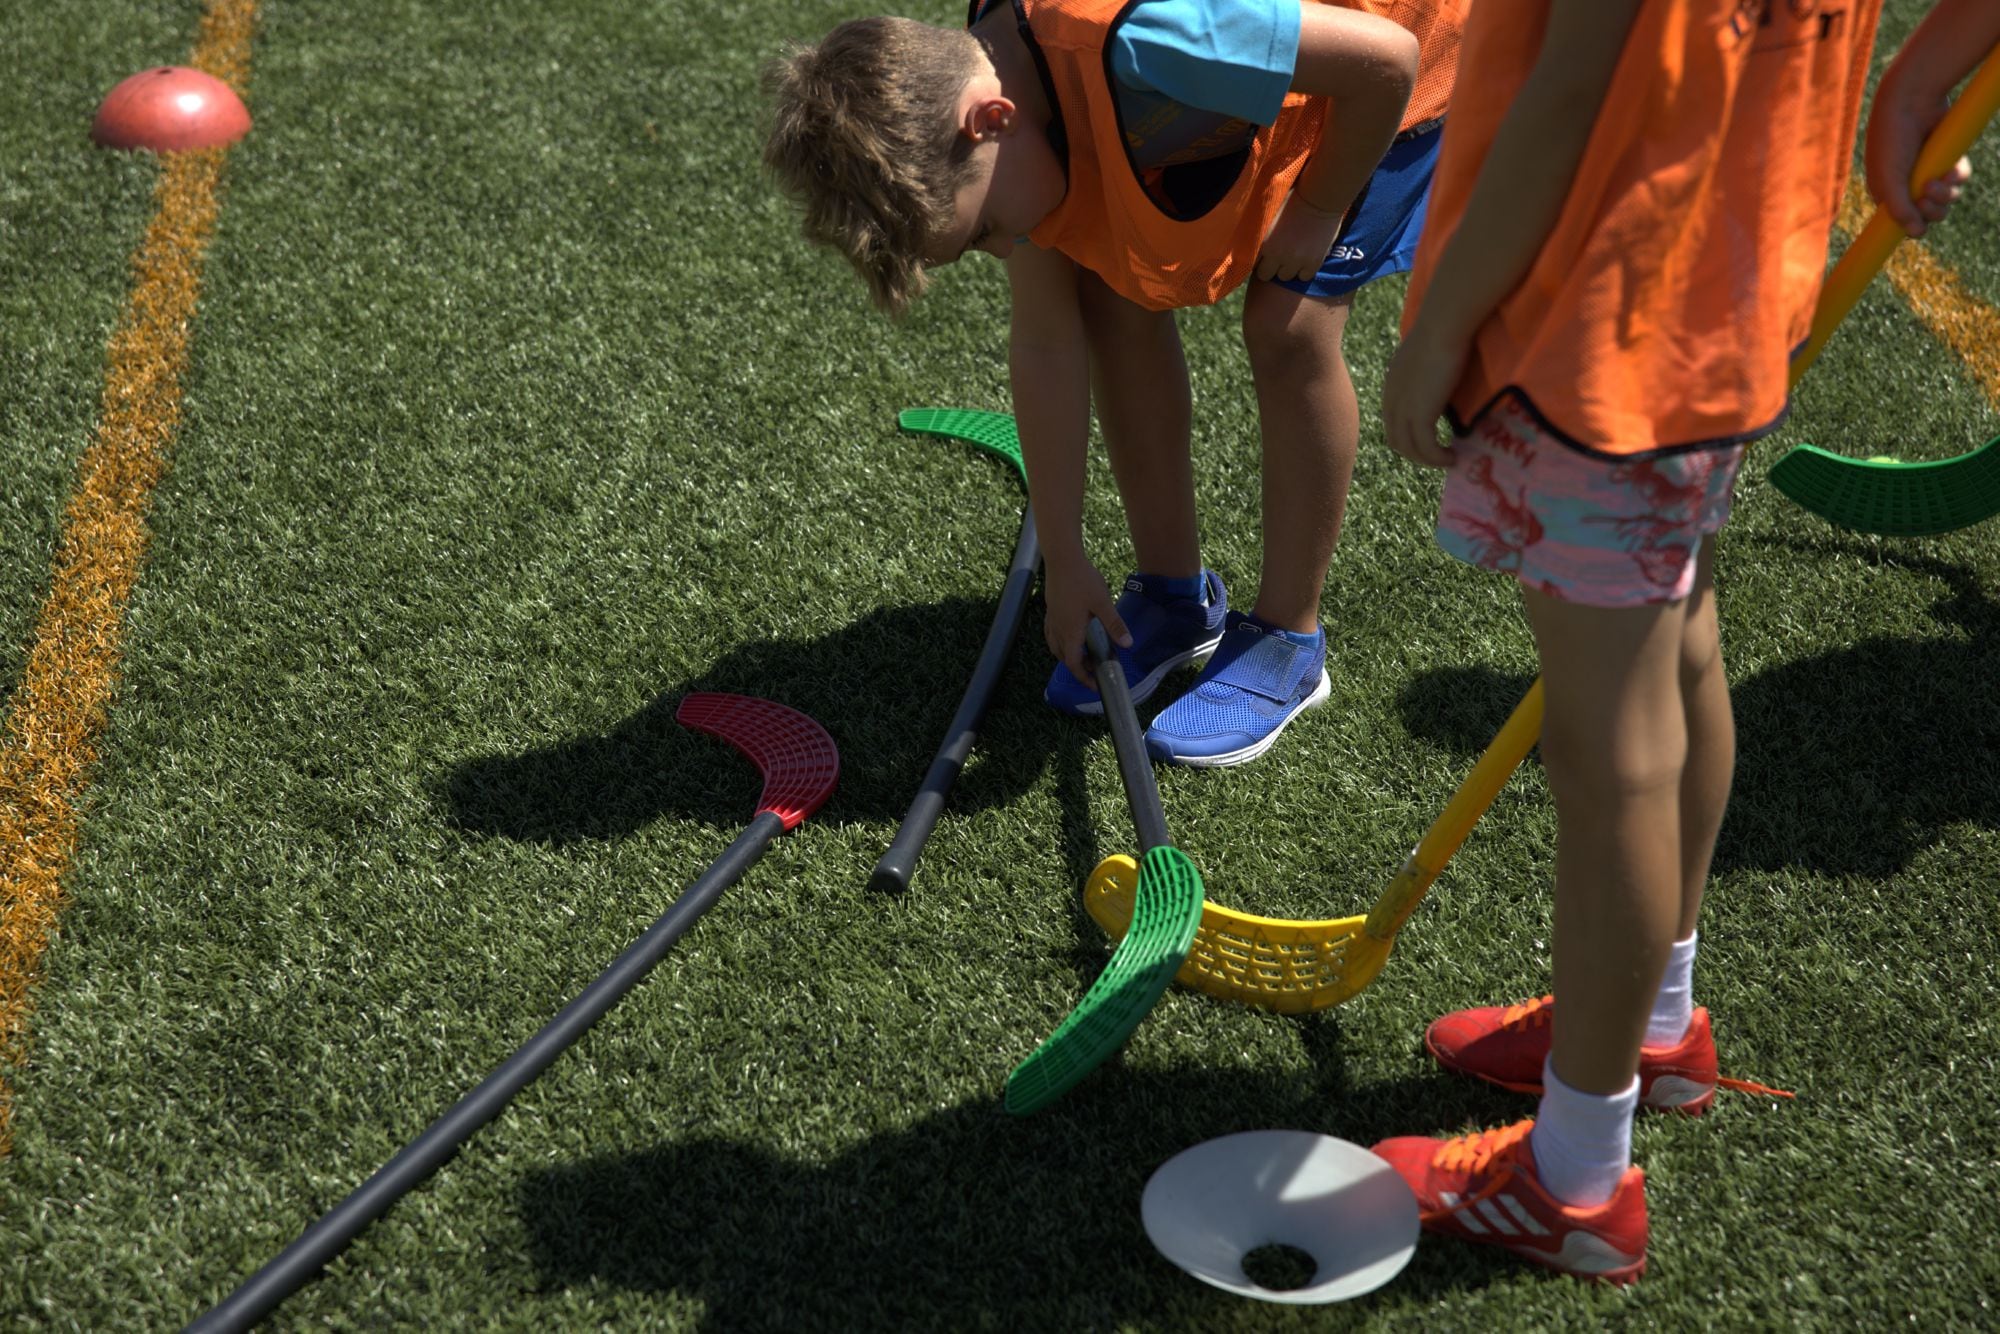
(1125, 159)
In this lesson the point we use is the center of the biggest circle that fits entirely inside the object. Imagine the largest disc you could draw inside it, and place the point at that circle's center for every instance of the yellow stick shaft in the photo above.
(1449, 830)
(1865, 256)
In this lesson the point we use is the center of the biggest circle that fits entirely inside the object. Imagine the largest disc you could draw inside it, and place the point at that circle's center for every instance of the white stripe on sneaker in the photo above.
(1523, 1217)
(1497, 1219)
(1466, 1216)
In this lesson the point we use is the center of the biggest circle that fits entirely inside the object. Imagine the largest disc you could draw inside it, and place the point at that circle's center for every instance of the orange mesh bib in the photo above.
(1683, 267)
(1110, 225)
(1437, 25)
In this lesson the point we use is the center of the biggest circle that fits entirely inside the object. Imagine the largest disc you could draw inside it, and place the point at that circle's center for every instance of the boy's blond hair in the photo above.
(865, 136)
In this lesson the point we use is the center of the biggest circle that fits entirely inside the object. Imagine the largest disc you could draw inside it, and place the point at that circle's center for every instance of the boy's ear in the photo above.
(982, 118)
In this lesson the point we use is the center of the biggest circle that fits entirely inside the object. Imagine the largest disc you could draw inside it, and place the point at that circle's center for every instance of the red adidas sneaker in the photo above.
(1483, 1188)
(1506, 1045)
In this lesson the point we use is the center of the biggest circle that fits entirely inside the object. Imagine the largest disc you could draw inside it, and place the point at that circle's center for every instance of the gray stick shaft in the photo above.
(327, 1238)
(1135, 766)
(893, 871)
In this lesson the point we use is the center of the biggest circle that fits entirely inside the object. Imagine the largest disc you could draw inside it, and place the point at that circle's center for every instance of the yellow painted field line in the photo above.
(1955, 317)
(60, 707)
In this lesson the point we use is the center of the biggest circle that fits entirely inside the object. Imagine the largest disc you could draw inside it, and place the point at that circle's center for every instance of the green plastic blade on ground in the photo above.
(992, 431)
(1892, 498)
(1165, 914)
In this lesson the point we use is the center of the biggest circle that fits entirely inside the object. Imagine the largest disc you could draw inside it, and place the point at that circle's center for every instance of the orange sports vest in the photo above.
(1682, 270)
(1111, 226)
(1437, 25)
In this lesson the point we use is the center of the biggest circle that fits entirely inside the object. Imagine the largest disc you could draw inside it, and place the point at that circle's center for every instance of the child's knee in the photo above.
(1291, 336)
(1111, 322)
(1639, 758)
(1701, 653)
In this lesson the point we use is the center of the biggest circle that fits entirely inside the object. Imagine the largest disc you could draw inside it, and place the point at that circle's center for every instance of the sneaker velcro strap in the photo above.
(1268, 665)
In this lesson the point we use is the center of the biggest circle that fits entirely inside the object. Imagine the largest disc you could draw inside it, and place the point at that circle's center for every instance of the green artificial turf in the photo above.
(516, 411)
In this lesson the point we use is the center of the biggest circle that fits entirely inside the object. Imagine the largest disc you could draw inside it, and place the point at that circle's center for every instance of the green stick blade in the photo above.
(993, 431)
(1165, 914)
(1891, 498)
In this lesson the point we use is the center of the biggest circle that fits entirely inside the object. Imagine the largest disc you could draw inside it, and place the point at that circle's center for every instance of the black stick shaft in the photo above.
(1135, 766)
(893, 871)
(325, 1239)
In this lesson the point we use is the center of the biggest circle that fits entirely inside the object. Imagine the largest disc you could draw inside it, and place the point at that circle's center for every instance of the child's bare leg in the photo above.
(1311, 426)
(1711, 734)
(1139, 386)
(1614, 745)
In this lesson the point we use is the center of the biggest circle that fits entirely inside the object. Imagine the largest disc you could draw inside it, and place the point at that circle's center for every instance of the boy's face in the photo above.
(1016, 179)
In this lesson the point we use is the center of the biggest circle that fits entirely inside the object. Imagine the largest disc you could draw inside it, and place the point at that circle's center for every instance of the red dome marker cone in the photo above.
(168, 108)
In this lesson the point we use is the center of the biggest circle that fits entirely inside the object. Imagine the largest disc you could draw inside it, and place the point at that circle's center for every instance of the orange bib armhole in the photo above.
(1108, 223)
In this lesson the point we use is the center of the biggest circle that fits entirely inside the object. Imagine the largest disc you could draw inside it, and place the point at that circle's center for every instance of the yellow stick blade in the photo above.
(1273, 963)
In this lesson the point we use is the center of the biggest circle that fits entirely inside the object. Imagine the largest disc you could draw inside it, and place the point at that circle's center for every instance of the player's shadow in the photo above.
(970, 1215)
(885, 687)
(1849, 762)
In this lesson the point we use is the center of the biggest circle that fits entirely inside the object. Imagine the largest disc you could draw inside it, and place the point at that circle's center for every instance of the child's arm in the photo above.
(1048, 358)
(1910, 101)
(1365, 66)
(1514, 205)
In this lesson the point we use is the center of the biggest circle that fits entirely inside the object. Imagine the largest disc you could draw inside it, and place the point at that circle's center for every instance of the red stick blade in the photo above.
(798, 759)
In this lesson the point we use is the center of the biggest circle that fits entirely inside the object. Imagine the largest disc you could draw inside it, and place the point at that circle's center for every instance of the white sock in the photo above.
(1673, 1008)
(1582, 1142)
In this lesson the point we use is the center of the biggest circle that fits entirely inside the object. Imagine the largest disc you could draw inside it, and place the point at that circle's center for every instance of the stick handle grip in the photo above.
(892, 873)
(1135, 766)
(1517, 737)
(1869, 251)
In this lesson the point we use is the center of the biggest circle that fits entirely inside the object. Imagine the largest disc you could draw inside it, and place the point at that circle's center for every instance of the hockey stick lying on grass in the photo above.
(1295, 966)
(1883, 495)
(1292, 966)
(995, 432)
(1167, 899)
(800, 766)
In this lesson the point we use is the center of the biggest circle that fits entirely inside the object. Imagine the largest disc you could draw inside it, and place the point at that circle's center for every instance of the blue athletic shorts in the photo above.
(1383, 225)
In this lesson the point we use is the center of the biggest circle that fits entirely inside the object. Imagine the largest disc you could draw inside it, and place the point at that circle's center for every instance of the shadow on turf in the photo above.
(1849, 762)
(972, 1218)
(884, 687)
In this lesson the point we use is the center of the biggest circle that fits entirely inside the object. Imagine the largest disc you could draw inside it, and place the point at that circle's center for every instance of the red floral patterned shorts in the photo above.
(1597, 531)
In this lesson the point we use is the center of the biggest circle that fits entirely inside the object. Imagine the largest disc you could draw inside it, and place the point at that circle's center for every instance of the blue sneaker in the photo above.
(1258, 681)
(1166, 632)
